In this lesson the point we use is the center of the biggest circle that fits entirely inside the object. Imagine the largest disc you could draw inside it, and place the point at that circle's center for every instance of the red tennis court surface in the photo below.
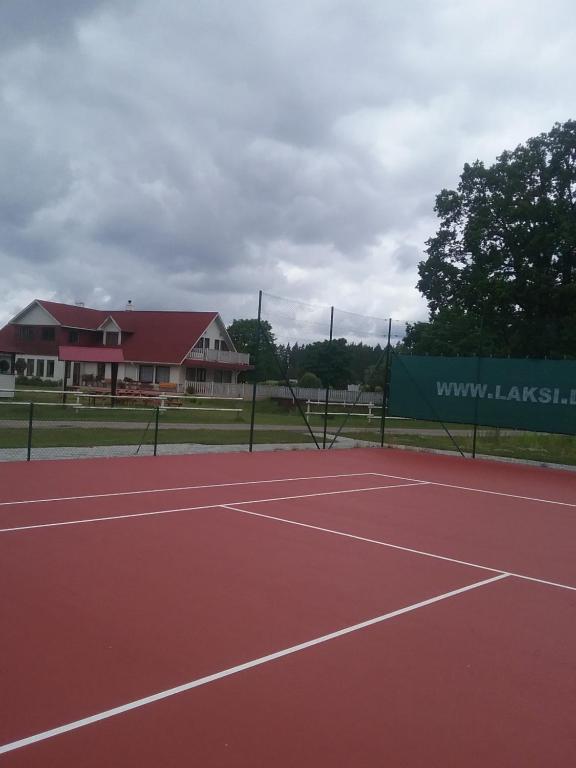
(346, 608)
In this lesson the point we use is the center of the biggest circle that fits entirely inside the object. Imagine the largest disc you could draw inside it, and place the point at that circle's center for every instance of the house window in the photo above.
(101, 371)
(48, 334)
(29, 367)
(162, 374)
(146, 374)
(40, 368)
(5, 364)
(50, 368)
(217, 344)
(195, 374)
(112, 338)
(199, 344)
(224, 346)
(223, 377)
(25, 332)
(73, 337)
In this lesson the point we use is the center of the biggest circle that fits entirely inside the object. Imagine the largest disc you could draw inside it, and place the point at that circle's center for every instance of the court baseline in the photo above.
(241, 667)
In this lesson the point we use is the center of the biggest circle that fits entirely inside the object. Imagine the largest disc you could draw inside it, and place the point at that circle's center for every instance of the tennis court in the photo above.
(340, 608)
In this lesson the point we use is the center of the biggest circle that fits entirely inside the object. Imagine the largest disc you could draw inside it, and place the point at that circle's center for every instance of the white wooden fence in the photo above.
(264, 391)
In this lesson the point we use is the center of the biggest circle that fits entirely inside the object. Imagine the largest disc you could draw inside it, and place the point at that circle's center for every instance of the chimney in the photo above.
(129, 306)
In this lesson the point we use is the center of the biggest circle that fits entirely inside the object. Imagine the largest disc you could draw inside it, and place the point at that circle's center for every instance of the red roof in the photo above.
(160, 337)
(147, 337)
(74, 317)
(91, 354)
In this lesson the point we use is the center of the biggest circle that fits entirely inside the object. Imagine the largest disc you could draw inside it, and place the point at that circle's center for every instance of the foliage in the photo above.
(500, 277)
(244, 334)
(309, 380)
(37, 381)
(20, 366)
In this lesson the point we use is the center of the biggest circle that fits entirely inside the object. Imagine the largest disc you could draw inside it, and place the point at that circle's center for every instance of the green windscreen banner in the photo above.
(536, 395)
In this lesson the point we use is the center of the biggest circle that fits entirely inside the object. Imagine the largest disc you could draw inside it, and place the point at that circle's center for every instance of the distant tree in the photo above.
(309, 379)
(500, 276)
(244, 334)
(329, 360)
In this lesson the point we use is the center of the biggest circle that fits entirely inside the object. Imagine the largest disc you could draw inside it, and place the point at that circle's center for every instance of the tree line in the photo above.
(336, 363)
(499, 275)
(500, 272)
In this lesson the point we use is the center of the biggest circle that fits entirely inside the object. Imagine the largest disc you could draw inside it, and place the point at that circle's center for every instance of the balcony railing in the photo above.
(219, 356)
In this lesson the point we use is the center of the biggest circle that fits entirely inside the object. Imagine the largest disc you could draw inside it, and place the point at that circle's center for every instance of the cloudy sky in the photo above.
(185, 154)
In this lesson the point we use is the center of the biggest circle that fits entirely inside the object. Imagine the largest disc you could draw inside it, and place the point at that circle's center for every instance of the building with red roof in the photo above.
(77, 345)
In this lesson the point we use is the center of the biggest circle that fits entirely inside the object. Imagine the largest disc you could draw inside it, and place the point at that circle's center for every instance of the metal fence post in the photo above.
(156, 431)
(327, 383)
(256, 363)
(30, 421)
(385, 385)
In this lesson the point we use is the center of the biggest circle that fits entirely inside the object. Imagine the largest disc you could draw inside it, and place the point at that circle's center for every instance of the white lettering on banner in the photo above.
(515, 393)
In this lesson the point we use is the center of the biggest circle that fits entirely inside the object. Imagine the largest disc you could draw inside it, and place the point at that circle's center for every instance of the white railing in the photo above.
(219, 356)
(212, 389)
(263, 391)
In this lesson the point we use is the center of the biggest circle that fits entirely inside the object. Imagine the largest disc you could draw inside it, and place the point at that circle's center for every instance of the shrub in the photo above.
(309, 380)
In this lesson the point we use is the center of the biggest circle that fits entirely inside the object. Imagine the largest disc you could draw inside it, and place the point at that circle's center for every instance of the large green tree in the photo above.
(244, 334)
(500, 276)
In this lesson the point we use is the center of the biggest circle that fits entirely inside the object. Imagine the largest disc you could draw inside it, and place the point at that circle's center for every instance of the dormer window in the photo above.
(25, 332)
(73, 337)
(112, 338)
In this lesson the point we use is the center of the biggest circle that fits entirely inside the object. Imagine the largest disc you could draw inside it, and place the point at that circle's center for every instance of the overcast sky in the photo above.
(185, 154)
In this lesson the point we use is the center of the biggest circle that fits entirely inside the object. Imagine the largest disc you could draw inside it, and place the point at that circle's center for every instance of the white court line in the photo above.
(479, 490)
(183, 488)
(203, 506)
(239, 668)
(398, 546)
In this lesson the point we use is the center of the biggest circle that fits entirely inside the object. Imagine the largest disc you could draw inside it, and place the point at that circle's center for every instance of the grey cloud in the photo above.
(24, 21)
(200, 151)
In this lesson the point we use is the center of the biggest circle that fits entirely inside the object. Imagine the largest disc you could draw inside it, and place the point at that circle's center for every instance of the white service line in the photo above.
(184, 488)
(203, 506)
(479, 490)
(239, 668)
(398, 546)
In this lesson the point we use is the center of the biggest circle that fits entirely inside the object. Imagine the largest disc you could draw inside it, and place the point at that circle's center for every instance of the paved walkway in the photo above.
(85, 452)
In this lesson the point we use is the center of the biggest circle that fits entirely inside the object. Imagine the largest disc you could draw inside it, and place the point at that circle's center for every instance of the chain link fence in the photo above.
(322, 378)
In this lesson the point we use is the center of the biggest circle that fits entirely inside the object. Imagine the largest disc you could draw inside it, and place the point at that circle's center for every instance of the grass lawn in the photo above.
(48, 407)
(75, 437)
(534, 446)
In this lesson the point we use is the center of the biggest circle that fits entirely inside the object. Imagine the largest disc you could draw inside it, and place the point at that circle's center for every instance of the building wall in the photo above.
(58, 366)
(7, 383)
(36, 315)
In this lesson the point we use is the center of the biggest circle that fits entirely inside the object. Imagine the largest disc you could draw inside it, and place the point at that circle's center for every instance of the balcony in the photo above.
(219, 356)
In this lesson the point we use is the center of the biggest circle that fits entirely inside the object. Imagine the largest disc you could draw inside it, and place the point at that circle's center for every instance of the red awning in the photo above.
(91, 354)
(214, 364)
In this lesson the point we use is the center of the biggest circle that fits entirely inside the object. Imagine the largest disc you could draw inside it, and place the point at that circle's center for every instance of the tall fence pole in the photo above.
(476, 405)
(30, 422)
(385, 384)
(156, 431)
(327, 384)
(256, 361)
